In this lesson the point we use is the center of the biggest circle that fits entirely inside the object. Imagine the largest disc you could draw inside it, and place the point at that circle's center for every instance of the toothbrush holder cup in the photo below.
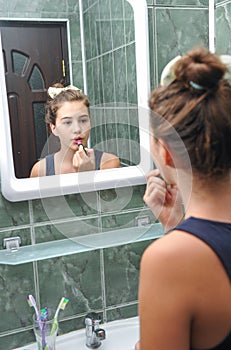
(45, 333)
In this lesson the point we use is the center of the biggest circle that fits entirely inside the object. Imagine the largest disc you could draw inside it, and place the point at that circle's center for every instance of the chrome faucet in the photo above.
(94, 334)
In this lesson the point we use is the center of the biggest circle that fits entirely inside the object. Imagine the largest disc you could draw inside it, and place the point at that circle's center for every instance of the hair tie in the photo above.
(54, 91)
(196, 86)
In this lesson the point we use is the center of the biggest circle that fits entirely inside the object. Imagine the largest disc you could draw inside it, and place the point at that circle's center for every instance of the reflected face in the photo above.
(72, 124)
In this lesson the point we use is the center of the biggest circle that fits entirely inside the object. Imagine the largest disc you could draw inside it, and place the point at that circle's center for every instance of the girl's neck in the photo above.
(64, 162)
(210, 201)
(65, 155)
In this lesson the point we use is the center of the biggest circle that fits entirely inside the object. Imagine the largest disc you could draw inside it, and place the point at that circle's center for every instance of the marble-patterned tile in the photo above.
(85, 5)
(77, 277)
(70, 325)
(87, 37)
(41, 6)
(117, 10)
(65, 207)
(92, 2)
(23, 6)
(135, 148)
(3, 8)
(116, 221)
(152, 53)
(96, 83)
(90, 81)
(77, 74)
(16, 283)
(122, 265)
(118, 36)
(131, 74)
(18, 339)
(94, 30)
(223, 29)
(116, 24)
(69, 229)
(105, 31)
(104, 24)
(105, 9)
(124, 145)
(108, 78)
(182, 2)
(178, 31)
(129, 23)
(13, 213)
(120, 313)
(97, 117)
(120, 75)
(121, 199)
(75, 38)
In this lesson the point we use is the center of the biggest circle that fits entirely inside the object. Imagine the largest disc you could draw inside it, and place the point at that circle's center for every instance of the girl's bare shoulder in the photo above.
(109, 161)
(39, 168)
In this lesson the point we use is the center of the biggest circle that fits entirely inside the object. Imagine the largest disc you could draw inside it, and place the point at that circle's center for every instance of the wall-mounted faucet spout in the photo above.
(94, 334)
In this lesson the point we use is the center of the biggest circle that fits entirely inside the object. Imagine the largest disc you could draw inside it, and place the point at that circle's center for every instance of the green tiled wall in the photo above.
(223, 25)
(105, 280)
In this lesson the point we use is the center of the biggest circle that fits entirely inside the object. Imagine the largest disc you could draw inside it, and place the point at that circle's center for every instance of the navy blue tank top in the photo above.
(50, 163)
(218, 236)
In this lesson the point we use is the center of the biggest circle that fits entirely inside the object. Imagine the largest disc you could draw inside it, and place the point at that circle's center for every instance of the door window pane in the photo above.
(36, 79)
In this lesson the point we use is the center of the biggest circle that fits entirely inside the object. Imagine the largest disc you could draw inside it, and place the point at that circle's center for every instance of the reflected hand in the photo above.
(163, 200)
(137, 346)
(84, 159)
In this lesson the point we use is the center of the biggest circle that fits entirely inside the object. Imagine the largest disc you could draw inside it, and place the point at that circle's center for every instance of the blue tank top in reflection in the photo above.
(50, 163)
(218, 236)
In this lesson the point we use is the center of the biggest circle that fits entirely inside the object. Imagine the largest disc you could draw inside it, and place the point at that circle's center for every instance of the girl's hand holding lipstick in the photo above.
(163, 200)
(84, 159)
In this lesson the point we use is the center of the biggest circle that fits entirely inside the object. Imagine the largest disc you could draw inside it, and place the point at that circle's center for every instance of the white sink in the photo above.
(122, 334)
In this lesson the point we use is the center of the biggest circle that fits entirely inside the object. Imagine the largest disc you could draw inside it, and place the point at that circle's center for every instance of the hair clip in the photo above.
(167, 75)
(226, 59)
(55, 91)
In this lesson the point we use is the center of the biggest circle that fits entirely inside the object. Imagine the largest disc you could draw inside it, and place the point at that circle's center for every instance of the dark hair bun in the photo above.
(201, 67)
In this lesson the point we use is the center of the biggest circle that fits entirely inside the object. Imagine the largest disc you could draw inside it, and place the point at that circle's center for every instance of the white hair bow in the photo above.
(55, 91)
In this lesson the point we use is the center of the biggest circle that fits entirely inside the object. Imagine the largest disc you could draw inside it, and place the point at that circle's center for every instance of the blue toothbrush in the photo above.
(44, 315)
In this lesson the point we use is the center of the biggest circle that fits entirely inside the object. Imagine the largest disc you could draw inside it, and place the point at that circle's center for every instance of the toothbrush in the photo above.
(44, 315)
(62, 304)
(32, 303)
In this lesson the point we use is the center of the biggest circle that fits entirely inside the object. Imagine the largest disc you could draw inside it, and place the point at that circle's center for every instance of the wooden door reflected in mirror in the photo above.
(34, 56)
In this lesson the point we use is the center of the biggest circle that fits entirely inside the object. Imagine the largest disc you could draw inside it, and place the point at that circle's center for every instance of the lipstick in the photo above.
(79, 143)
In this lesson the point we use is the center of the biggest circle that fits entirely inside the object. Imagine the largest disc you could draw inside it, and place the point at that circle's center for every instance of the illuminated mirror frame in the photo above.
(15, 189)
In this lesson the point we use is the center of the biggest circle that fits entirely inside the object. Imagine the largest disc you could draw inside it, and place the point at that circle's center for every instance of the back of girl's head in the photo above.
(198, 105)
(60, 96)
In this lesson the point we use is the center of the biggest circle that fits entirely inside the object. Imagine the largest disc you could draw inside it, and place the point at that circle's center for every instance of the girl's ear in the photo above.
(53, 129)
(166, 155)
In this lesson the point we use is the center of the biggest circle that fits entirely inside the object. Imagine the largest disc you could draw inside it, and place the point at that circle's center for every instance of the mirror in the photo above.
(119, 125)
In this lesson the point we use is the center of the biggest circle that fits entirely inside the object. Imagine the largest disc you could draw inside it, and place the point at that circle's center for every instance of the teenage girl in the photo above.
(67, 113)
(185, 291)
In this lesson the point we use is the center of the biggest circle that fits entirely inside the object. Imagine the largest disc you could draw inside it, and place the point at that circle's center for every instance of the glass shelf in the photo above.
(41, 251)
